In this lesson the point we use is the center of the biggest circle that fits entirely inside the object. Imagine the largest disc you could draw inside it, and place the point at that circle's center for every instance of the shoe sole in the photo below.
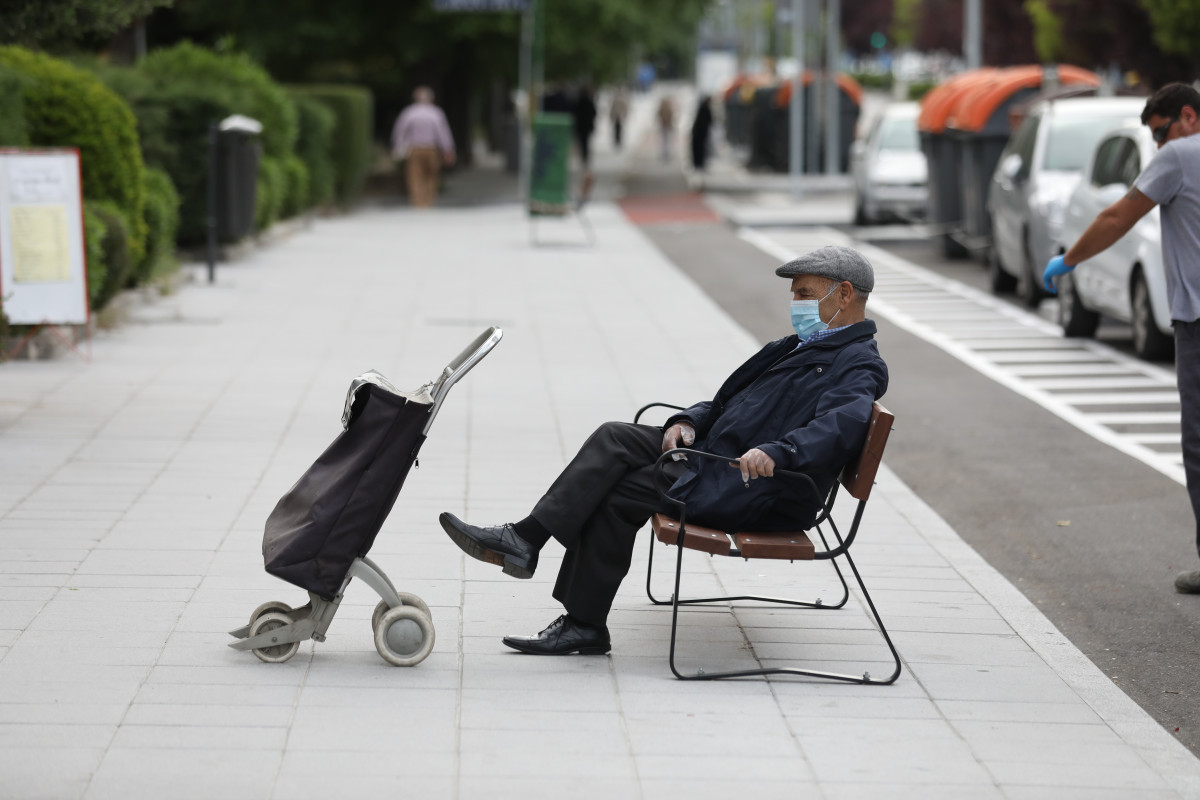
(594, 650)
(517, 568)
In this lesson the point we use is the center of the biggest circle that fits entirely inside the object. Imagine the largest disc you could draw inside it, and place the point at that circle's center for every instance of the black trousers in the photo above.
(1187, 368)
(595, 508)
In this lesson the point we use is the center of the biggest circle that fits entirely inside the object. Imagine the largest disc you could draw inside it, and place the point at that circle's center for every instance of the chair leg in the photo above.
(864, 679)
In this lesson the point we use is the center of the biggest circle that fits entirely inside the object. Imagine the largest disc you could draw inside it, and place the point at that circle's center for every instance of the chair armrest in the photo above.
(649, 406)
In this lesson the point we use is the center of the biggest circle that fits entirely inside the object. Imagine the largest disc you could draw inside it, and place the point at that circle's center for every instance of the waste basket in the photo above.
(849, 107)
(981, 123)
(942, 155)
(737, 100)
(238, 153)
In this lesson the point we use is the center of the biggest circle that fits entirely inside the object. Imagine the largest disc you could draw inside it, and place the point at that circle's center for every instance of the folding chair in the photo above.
(856, 478)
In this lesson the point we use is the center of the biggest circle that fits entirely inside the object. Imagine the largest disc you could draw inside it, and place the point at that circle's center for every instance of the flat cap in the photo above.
(836, 263)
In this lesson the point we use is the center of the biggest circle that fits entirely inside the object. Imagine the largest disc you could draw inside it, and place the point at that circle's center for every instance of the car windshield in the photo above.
(899, 133)
(1070, 141)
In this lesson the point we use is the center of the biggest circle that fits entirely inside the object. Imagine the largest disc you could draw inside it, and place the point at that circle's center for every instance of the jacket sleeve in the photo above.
(703, 416)
(836, 433)
(697, 416)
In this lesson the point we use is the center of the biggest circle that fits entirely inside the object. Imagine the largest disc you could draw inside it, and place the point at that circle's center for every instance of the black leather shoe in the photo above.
(498, 545)
(563, 637)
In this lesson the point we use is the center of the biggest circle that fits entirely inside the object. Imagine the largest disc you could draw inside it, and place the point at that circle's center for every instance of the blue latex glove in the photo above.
(1056, 267)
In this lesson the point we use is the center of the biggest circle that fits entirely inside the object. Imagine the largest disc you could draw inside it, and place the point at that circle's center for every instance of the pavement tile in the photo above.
(43, 773)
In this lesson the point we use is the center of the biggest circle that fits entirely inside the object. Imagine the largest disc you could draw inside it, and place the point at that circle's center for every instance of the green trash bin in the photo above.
(549, 177)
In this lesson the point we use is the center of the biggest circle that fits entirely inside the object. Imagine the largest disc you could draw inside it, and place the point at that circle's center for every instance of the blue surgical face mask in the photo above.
(806, 316)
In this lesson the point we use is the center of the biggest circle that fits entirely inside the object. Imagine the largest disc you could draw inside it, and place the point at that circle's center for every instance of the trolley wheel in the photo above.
(404, 636)
(406, 598)
(276, 653)
(270, 607)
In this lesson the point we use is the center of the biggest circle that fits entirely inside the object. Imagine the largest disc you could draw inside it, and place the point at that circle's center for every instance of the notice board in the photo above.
(43, 275)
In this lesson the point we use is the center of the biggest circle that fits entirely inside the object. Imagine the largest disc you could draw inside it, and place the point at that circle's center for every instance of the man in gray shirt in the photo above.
(1171, 180)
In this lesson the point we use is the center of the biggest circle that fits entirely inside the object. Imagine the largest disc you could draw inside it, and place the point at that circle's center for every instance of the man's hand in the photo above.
(755, 463)
(1057, 266)
(680, 434)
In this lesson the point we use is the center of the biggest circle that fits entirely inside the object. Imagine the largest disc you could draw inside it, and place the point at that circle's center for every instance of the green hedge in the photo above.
(250, 90)
(314, 146)
(295, 197)
(353, 108)
(94, 230)
(115, 255)
(13, 132)
(176, 93)
(162, 218)
(272, 188)
(67, 107)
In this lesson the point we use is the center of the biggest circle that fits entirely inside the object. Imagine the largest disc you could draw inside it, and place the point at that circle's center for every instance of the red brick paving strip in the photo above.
(667, 208)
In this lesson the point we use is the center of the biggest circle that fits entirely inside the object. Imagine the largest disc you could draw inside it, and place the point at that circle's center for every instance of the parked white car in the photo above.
(891, 177)
(1127, 280)
(1035, 175)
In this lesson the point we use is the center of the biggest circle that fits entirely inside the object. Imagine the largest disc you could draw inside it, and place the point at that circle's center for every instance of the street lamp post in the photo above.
(796, 107)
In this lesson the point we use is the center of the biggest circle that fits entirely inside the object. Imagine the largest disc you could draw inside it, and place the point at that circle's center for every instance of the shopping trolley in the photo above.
(321, 530)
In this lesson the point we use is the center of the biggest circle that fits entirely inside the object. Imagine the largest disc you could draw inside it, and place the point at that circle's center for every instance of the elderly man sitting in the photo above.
(801, 403)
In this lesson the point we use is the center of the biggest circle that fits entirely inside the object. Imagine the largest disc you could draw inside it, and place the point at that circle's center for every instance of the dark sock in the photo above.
(532, 531)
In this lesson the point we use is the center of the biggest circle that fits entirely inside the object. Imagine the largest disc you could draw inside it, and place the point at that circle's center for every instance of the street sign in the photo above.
(480, 5)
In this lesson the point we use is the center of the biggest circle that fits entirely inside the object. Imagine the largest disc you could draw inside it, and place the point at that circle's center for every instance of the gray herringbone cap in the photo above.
(835, 263)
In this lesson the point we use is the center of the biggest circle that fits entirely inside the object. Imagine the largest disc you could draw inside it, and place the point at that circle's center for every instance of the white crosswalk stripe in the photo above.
(1122, 401)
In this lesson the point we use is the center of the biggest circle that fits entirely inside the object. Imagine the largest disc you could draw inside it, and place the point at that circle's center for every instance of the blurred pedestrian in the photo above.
(666, 125)
(421, 136)
(1171, 180)
(618, 109)
(701, 130)
(583, 122)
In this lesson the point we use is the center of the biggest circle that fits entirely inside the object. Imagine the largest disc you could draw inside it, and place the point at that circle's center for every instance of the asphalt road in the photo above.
(1004, 473)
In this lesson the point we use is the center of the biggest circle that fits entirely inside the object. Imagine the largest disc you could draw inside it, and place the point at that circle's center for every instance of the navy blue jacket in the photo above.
(808, 409)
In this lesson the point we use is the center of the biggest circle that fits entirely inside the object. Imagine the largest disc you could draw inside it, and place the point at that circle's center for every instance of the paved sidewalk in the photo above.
(133, 491)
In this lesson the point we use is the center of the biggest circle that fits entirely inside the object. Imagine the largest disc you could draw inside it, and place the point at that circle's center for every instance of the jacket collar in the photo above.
(851, 333)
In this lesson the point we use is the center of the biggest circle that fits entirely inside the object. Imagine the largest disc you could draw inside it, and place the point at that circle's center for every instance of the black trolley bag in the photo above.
(321, 530)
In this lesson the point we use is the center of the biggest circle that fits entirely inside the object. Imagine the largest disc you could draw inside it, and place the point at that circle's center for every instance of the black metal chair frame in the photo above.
(831, 554)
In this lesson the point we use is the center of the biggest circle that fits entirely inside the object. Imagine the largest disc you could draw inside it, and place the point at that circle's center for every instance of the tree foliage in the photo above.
(1176, 25)
(37, 22)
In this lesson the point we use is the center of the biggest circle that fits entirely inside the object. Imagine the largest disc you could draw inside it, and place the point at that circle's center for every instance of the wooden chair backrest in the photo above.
(859, 475)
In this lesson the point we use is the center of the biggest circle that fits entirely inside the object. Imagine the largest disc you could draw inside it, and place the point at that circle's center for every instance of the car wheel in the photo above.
(1076, 321)
(1149, 342)
(1029, 284)
(1001, 282)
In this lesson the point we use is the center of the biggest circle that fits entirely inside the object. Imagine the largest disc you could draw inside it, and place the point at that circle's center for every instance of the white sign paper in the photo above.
(43, 278)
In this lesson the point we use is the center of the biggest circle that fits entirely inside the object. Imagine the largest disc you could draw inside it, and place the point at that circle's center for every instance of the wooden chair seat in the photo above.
(788, 546)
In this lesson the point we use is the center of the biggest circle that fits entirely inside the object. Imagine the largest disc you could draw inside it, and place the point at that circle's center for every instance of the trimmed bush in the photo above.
(12, 112)
(67, 107)
(176, 93)
(314, 146)
(94, 231)
(295, 198)
(272, 191)
(115, 253)
(352, 106)
(162, 219)
(251, 91)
